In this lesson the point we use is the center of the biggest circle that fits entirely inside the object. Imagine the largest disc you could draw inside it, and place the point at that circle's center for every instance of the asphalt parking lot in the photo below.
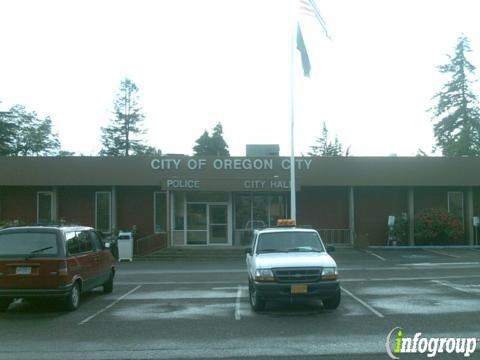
(199, 309)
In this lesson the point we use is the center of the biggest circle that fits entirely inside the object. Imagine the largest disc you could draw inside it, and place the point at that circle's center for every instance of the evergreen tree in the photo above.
(218, 142)
(202, 145)
(214, 145)
(326, 147)
(7, 133)
(122, 136)
(32, 136)
(457, 115)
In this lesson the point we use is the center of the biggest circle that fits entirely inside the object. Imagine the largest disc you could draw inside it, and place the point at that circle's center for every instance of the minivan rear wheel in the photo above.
(73, 299)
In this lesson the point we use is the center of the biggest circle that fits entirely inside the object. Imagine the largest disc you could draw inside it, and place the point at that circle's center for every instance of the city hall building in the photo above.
(179, 201)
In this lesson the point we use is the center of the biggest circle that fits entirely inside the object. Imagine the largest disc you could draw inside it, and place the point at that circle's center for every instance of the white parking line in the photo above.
(451, 286)
(363, 303)
(238, 316)
(377, 256)
(231, 288)
(442, 253)
(458, 265)
(393, 278)
(109, 306)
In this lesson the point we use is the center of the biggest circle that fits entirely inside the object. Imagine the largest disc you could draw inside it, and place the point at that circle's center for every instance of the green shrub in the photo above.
(438, 227)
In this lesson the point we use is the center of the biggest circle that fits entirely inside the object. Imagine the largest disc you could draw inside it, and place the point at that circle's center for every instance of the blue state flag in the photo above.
(303, 52)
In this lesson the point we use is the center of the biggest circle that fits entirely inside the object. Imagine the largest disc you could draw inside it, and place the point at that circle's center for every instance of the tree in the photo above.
(151, 151)
(214, 145)
(202, 144)
(326, 147)
(218, 142)
(122, 136)
(7, 133)
(32, 136)
(457, 114)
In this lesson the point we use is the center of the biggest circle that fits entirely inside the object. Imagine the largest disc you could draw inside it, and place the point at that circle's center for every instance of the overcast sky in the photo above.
(199, 62)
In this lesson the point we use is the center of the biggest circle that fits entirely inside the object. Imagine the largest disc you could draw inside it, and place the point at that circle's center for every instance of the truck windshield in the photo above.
(28, 243)
(291, 241)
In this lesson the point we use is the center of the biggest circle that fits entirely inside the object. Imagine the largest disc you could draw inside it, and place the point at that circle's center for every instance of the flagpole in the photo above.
(293, 200)
(298, 42)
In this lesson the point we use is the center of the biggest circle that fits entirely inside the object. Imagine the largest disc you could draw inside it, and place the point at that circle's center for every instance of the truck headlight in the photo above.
(329, 273)
(264, 275)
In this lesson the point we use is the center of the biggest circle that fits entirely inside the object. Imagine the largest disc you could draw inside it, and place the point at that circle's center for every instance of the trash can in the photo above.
(125, 246)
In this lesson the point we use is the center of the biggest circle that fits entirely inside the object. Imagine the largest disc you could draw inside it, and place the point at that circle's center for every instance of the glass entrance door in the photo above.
(197, 227)
(218, 224)
(207, 224)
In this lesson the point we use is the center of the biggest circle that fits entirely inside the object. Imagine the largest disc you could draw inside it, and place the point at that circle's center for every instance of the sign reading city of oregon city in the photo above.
(228, 164)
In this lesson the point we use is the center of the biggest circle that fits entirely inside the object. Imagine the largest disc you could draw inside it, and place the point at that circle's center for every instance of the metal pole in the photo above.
(293, 204)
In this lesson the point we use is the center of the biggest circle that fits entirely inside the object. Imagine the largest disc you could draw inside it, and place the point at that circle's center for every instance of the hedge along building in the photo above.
(196, 201)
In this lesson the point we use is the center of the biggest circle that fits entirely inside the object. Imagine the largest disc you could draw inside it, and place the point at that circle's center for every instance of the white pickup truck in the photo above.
(291, 263)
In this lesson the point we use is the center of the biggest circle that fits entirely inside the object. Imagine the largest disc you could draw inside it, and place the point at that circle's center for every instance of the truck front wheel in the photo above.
(256, 302)
(333, 302)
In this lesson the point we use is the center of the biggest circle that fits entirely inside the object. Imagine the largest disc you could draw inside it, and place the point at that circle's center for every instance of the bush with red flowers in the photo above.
(438, 227)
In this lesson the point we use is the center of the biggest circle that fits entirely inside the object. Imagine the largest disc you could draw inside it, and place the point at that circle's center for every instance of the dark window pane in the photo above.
(179, 210)
(455, 204)
(44, 207)
(260, 210)
(196, 237)
(160, 212)
(25, 243)
(277, 209)
(103, 211)
(283, 241)
(197, 216)
(243, 211)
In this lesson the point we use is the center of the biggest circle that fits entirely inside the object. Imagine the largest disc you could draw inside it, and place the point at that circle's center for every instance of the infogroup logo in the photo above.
(397, 344)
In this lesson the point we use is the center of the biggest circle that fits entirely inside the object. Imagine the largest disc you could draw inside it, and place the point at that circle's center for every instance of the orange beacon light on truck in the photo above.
(286, 222)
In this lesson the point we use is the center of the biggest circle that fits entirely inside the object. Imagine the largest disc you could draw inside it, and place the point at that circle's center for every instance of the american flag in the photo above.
(310, 8)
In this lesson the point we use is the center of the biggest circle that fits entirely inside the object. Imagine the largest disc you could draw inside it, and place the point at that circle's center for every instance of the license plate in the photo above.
(23, 270)
(298, 289)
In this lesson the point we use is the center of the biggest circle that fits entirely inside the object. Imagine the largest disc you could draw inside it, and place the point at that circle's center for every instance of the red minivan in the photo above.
(53, 262)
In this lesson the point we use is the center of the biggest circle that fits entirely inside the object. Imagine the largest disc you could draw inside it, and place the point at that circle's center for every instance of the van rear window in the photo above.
(37, 244)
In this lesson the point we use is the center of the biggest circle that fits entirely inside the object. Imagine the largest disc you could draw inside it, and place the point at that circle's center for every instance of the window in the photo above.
(258, 211)
(85, 242)
(243, 211)
(103, 211)
(96, 242)
(73, 244)
(44, 207)
(78, 242)
(179, 211)
(160, 211)
(455, 204)
(289, 241)
(277, 209)
(24, 243)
